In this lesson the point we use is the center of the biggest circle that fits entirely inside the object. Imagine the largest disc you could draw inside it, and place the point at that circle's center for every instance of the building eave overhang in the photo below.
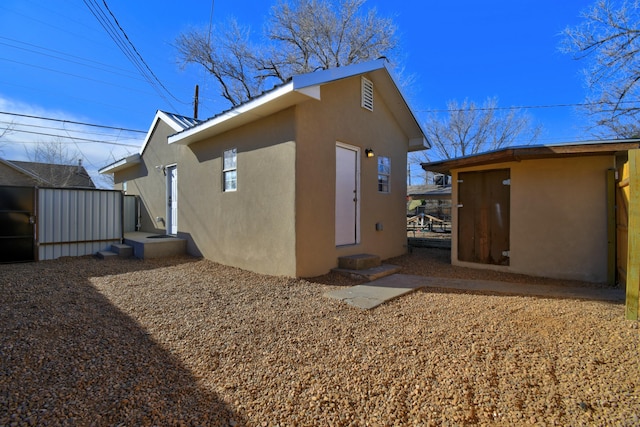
(269, 103)
(122, 164)
(515, 154)
(306, 87)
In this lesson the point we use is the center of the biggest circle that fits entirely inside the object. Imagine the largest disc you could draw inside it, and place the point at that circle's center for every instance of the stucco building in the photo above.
(287, 182)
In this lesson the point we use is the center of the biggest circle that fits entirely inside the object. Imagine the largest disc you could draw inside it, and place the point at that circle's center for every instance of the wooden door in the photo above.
(483, 216)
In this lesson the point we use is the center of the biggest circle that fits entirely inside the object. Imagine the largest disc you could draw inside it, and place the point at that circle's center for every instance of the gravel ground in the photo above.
(181, 341)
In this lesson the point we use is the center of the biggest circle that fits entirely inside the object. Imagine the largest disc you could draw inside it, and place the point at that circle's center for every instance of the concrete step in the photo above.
(122, 250)
(369, 274)
(359, 262)
(106, 255)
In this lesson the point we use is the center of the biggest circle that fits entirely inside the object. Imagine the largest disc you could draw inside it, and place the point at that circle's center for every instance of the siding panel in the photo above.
(77, 222)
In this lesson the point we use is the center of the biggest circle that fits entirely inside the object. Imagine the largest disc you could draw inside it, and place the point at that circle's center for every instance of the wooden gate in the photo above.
(483, 216)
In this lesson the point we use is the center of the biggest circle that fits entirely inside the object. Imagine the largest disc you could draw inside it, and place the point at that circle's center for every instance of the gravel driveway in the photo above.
(181, 341)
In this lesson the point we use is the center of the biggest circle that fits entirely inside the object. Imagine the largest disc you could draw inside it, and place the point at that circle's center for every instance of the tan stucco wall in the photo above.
(254, 227)
(558, 218)
(148, 181)
(281, 220)
(321, 124)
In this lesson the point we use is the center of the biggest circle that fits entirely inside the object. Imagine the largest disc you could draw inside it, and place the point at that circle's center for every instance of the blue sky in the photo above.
(57, 61)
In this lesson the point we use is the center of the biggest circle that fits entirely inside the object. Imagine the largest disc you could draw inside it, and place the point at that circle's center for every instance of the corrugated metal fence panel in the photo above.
(129, 215)
(77, 222)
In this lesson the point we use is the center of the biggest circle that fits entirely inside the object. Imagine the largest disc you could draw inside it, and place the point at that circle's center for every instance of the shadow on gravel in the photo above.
(70, 357)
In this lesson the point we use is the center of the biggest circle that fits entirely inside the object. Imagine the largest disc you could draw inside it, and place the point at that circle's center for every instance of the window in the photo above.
(384, 172)
(367, 94)
(230, 169)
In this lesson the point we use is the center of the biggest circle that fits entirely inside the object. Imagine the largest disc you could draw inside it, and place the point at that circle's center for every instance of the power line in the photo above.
(126, 46)
(11, 126)
(72, 122)
(56, 54)
(74, 138)
(521, 107)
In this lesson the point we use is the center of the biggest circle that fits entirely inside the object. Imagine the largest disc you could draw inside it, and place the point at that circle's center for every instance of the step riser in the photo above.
(359, 262)
(122, 250)
(369, 274)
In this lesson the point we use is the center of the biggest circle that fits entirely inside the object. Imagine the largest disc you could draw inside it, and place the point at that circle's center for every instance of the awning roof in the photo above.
(516, 154)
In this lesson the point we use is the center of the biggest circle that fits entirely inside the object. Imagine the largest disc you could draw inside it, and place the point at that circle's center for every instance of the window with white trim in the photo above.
(367, 94)
(230, 169)
(384, 174)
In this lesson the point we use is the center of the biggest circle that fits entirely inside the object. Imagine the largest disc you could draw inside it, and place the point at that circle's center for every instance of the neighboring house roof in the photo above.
(510, 154)
(302, 88)
(71, 176)
(175, 121)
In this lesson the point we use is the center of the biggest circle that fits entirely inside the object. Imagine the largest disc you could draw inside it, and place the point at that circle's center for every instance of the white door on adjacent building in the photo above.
(347, 195)
(172, 200)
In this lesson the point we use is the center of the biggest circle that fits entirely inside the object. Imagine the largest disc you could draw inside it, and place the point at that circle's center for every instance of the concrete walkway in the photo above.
(374, 293)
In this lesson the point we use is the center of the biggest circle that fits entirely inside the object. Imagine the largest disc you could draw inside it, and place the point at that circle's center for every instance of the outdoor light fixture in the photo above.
(369, 152)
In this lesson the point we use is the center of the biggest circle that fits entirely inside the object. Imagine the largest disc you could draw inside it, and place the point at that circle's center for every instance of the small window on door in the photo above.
(384, 174)
(230, 169)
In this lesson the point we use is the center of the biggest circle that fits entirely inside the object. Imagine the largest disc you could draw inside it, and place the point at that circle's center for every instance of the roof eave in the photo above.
(587, 148)
(121, 164)
(265, 105)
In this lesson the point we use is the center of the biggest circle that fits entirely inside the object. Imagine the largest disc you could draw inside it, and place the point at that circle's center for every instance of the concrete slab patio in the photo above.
(372, 294)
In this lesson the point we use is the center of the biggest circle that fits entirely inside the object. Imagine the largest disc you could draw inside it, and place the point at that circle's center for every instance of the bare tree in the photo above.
(608, 40)
(6, 131)
(470, 129)
(52, 153)
(300, 36)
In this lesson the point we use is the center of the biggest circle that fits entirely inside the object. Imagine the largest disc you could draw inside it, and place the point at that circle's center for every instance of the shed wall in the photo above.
(558, 218)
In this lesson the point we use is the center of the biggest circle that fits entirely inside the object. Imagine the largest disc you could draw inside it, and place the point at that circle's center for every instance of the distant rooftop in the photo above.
(69, 176)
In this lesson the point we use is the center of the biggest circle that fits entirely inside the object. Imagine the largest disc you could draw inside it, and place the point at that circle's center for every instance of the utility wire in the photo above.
(126, 46)
(50, 128)
(75, 139)
(72, 122)
(521, 107)
(56, 54)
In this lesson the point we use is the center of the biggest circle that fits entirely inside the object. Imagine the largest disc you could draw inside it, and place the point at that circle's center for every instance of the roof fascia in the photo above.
(586, 148)
(207, 128)
(308, 85)
(121, 164)
(319, 78)
(160, 115)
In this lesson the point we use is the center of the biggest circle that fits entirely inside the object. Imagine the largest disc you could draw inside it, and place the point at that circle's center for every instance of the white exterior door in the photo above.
(172, 200)
(347, 195)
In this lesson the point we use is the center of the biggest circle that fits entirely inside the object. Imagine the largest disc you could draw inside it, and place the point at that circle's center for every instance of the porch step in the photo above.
(117, 250)
(122, 250)
(369, 274)
(106, 255)
(358, 262)
(150, 245)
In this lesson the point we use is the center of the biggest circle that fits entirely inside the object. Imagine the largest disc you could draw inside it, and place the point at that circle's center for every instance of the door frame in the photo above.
(172, 220)
(356, 151)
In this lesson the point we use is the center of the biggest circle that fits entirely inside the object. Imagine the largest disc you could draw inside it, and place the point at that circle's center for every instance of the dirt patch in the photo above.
(189, 342)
